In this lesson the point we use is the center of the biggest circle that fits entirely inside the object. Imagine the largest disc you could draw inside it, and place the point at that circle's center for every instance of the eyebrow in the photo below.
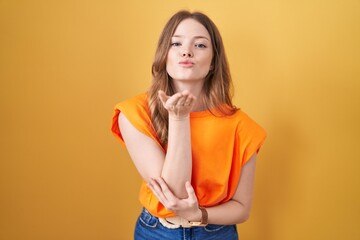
(196, 37)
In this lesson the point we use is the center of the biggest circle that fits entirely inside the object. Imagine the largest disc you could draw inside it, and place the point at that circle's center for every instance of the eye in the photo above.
(175, 44)
(200, 45)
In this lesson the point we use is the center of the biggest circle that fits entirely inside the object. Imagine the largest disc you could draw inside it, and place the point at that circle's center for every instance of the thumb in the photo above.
(162, 96)
(190, 191)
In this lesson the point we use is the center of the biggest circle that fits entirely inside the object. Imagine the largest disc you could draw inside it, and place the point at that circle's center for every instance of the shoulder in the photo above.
(137, 105)
(135, 109)
(136, 112)
(246, 124)
(138, 101)
(242, 117)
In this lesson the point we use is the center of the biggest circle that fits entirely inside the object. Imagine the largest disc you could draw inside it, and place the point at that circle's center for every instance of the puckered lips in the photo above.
(186, 63)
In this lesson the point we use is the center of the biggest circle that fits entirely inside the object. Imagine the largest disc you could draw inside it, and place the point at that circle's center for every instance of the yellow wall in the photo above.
(64, 65)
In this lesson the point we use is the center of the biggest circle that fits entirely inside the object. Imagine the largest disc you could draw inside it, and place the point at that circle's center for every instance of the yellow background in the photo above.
(65, 64)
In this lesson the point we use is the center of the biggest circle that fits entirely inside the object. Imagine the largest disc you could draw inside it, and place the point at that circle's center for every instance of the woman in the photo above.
(194, 149)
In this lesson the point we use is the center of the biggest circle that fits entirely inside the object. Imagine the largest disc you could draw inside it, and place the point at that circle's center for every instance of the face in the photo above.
(190, 54)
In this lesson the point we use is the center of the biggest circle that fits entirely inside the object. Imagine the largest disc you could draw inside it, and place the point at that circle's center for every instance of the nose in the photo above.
(185, 52)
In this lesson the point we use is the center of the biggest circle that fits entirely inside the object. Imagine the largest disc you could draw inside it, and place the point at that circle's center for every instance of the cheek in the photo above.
(170, 59)
(168, 62)
(169, 66)
(207, 61)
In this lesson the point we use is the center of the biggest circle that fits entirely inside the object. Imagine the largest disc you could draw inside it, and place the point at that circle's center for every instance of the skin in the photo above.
(169, 174)
(190, 44)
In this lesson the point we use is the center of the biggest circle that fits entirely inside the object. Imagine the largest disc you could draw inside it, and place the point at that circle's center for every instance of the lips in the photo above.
(186, 63)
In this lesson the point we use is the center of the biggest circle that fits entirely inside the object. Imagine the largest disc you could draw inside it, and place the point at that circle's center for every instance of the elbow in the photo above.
(244, 213)
(244, 217)
(177, 187)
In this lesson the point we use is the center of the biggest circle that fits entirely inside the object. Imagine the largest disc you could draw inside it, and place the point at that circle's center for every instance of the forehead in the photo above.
(190, 28)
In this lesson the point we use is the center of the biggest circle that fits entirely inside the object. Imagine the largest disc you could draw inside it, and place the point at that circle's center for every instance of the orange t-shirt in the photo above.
(220, 147)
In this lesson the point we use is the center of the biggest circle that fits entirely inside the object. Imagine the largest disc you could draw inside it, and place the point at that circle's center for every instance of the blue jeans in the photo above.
(148, 227)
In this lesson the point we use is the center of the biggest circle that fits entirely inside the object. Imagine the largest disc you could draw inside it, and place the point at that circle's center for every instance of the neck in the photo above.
(199, 106)
(193, 87)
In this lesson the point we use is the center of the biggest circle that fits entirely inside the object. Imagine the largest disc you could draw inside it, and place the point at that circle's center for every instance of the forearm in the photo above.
(177, 167)
(231, 212)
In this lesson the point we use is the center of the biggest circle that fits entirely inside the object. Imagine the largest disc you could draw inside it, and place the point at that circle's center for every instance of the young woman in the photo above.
(194, 149)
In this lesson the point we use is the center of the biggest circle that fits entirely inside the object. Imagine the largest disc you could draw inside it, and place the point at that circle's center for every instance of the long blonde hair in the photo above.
(217, 86)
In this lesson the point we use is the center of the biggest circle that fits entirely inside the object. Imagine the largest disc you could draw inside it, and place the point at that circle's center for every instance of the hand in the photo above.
(187, 208)
(178, 105)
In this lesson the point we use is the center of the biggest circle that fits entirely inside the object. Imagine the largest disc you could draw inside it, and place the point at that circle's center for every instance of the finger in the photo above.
(156, 189)
(166, 191)
(190, 100)
(172, 101)
(171, 201)
(191, 193)
(186, 94)
(181, 101)
(163, 97)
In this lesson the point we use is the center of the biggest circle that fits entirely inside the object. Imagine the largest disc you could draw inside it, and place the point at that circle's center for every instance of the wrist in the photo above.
(203, 218)
(196, 217)
(179, 118)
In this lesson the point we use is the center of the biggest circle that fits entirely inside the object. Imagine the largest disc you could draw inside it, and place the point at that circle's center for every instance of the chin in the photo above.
(188, 78)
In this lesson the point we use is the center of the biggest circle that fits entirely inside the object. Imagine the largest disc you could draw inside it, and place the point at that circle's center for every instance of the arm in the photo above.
(146, 155)
(177, 167)
(235, 211)
(151, 162)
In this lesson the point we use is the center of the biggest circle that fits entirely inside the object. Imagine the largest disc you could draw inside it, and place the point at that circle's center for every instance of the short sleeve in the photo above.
(137, 112)
(251, 137)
